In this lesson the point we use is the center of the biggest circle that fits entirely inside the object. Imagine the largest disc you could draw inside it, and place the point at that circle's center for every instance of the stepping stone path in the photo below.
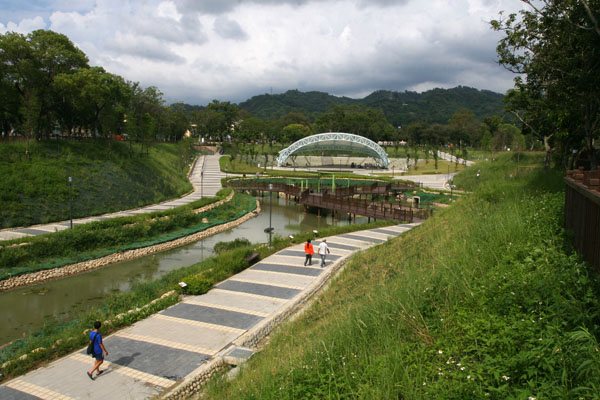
(152, 356)
(205, 178)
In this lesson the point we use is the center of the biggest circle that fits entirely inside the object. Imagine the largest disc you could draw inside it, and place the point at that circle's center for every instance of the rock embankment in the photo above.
(72, 269)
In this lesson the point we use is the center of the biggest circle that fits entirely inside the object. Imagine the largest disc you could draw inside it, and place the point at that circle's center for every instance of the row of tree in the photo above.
(225, 122)
(47, 87)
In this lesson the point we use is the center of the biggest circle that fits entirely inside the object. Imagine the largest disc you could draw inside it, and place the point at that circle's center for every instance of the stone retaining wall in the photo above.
(72, 269)
(202, 375)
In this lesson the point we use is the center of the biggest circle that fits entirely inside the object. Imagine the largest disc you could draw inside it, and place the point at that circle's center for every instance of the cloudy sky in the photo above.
(230, 50)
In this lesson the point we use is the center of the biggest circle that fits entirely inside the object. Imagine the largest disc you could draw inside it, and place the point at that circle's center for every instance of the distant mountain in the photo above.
(400, 108)
(187, 108)
(274, 106)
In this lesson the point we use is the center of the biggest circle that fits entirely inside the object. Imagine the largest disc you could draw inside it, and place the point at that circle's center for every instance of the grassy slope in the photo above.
(484, 300)
(105, 178)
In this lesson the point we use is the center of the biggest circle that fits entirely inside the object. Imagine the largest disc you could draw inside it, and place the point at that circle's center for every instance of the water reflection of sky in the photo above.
(27, 309)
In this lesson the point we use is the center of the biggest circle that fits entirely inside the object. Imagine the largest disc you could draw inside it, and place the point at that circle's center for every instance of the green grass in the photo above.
(200, 277)
(424, 168)
(486, 299)
(98, 239)
(237, 166)
(106, 177)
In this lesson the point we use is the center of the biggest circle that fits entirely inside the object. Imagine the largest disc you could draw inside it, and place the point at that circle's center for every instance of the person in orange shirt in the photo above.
(309, 250)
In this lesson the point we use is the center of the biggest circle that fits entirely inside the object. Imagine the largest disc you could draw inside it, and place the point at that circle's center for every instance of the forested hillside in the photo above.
(400, 108)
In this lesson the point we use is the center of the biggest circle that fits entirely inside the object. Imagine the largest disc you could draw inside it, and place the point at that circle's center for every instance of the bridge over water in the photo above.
(347, 200)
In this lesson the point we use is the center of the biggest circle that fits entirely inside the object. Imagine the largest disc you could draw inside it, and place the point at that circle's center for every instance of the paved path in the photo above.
(205, 178)
(451, 158)
(438, 181)
(152, 355)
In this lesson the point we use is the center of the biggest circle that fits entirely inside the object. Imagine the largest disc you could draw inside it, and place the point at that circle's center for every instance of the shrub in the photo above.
(231, 245)
(197, 284)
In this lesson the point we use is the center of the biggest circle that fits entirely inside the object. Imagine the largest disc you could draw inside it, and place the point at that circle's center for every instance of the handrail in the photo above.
(340, 200)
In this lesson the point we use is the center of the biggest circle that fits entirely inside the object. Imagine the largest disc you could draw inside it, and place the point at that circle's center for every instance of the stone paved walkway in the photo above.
(153, 355)
(205, 178)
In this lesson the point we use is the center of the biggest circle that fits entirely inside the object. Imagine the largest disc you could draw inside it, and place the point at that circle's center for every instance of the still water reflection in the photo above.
(27, 310)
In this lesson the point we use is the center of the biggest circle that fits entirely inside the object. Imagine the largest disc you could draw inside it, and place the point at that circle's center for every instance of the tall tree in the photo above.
(229, 116)
(554, 46)
(31, 63)
(89, 97)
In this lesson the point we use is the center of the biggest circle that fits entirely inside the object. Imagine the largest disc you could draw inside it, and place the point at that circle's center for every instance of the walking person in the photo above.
(98, 350)
(323, 249)
(309, 250)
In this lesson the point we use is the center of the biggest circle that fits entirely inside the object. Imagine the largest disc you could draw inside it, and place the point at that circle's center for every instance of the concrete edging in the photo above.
(84, 266)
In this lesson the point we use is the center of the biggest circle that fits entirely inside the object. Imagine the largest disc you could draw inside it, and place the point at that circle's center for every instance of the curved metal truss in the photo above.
(336, 141)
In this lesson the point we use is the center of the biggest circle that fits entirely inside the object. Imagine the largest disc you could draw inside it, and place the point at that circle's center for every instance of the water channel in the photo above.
(27, 310)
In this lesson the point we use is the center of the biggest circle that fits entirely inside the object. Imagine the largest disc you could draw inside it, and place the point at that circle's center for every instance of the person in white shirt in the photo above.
(323, 249)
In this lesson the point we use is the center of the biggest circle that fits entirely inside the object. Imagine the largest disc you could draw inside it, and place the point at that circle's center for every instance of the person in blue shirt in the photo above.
(99, 350)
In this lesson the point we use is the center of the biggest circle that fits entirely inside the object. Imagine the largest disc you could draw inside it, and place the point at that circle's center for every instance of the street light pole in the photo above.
(202, 183)
(71, 201)
(270, 212)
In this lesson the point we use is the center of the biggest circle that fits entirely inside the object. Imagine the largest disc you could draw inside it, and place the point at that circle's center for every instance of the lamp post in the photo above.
(270, 211)
(71, 201)
(270, 228)
(202, 183)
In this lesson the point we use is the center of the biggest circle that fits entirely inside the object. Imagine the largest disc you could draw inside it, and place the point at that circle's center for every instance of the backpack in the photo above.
(90, 349)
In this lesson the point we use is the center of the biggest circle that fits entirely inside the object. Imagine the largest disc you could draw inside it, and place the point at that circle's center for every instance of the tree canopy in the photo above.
(554, 47)
(46, 85)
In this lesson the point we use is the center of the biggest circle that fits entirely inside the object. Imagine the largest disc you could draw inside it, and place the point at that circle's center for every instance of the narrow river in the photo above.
(27, 310)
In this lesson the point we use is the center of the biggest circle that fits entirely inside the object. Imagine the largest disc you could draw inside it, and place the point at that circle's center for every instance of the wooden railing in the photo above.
(341, 200)
(582, 213)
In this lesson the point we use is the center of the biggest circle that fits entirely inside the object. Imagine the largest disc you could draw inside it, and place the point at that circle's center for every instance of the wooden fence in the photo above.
(582, 212)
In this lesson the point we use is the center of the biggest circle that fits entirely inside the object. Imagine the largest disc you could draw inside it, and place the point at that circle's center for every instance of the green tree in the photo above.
(294, 132)
(30, 64)
(295, 118)
(250, 129)
(178, 123)
(210, 124)
(553, 46)
(228, 117)
(463, 126)
(89, 97)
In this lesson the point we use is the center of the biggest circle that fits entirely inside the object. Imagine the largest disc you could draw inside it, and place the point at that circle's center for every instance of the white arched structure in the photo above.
(336, 141)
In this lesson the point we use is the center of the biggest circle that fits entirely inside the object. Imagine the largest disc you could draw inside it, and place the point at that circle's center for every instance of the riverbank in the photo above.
(103, 238)
(198, 328)
(77, 268)
(132, 304)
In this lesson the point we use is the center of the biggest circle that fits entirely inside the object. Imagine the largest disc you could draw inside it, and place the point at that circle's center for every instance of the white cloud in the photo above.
(232, 49)
(26, 25)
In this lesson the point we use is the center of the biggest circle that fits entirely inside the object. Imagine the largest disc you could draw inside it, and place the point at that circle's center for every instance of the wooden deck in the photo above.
(342, 200)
